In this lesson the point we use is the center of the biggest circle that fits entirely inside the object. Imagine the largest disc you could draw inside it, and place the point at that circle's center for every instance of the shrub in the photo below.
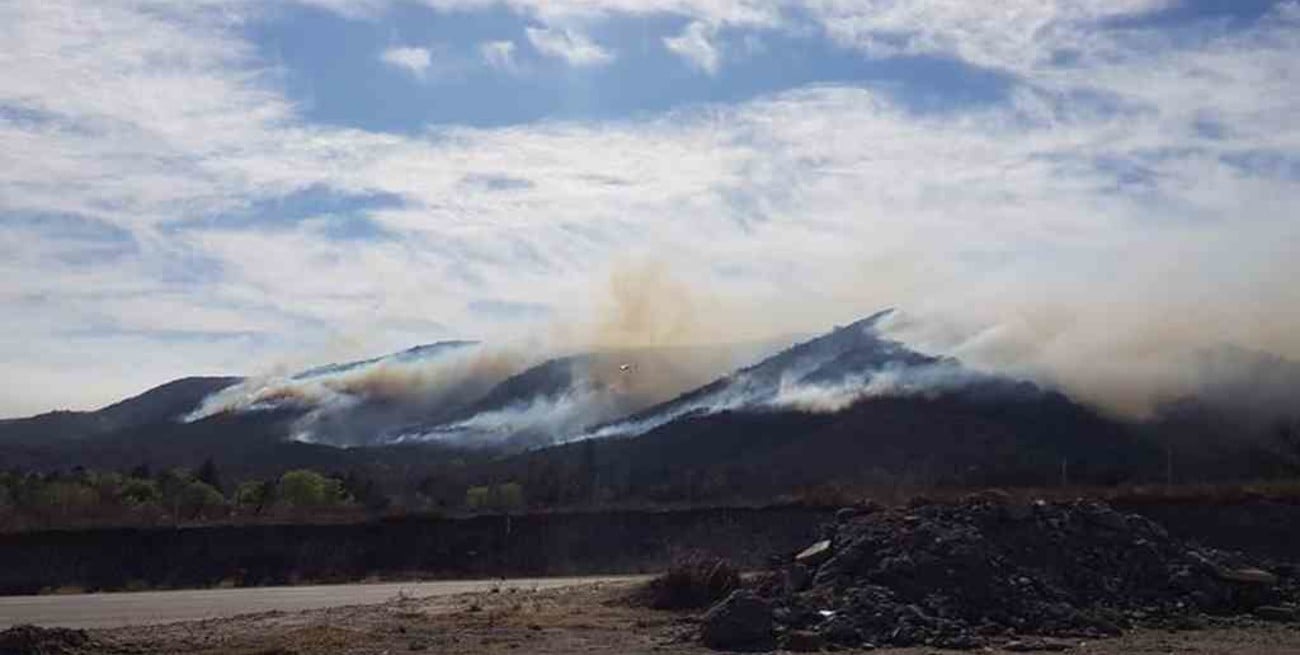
(692, 582)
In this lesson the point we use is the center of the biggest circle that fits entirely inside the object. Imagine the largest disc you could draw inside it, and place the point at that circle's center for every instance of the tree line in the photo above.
(145, 496)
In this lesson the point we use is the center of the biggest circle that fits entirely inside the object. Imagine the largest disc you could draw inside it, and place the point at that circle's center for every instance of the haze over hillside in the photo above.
(852, 404)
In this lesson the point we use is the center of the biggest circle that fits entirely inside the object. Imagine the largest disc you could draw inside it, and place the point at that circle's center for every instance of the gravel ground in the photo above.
(591, 619)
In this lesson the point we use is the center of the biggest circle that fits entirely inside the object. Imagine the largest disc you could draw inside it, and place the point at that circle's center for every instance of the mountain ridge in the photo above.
(850, 406)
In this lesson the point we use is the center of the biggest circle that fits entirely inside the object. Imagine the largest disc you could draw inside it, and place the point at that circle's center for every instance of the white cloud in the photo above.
(1013, 34)
(695, 45)
(730, 12)
(415, 61)
(1066, 230)
(569, 45)
(499, 55)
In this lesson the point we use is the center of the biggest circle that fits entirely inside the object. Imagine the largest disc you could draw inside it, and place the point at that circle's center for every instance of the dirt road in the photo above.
(154, 607)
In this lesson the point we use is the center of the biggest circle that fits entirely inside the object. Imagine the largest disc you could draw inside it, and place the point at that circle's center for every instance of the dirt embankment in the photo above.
(533, 545)
(1259, 526)
(489, 546)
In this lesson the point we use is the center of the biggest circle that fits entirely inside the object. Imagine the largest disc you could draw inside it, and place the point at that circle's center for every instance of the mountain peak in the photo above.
(410, 354)
(828, 372)
(871, 322)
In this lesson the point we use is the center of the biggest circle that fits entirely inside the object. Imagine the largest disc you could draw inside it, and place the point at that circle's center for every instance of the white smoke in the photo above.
(358, 403)
(540, 420)
(828, 398)
(745, 393)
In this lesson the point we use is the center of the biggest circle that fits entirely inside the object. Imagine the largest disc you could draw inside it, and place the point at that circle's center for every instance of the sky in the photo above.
(1087, 192)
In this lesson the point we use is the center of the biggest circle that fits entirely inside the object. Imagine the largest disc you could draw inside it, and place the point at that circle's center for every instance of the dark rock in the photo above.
(742, 621)
(994, 497)
(1018, 511)
(841, 630)
(797, 577)
(815, 554)
(1277, 613)
(1110, 520)
(958, 641)
(1036, 645)
(1187, 622)
(802, 641)
(1249, 576)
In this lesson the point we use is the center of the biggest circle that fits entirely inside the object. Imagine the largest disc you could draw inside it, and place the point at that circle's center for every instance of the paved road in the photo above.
(149, 607)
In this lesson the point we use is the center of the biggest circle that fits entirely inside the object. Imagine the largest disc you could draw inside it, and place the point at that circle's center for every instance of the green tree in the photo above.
(187, 497)
(172, 482)
(510, 496)
(136, 492)
(200, 499)
(502, 497)
(478, 498)
(306, 489)
(255, 495)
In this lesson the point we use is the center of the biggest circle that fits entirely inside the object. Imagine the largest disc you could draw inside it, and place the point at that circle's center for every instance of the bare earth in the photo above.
(592, 618)
(113, 610)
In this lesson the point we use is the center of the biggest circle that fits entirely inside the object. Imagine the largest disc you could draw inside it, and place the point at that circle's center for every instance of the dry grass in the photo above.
(692, 582)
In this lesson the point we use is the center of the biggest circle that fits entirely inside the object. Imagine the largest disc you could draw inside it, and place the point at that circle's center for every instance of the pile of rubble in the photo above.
(993, 569)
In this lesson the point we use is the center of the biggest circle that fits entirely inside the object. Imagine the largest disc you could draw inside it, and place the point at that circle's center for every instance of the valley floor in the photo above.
(592, 618)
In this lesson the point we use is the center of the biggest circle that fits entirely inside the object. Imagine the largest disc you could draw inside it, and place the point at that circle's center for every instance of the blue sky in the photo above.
(331, 68)
(235, 186)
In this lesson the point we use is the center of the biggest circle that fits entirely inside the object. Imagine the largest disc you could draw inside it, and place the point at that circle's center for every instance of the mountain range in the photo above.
(850, 406)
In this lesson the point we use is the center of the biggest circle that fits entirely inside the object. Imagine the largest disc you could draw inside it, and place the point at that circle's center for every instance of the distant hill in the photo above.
(256, 425)
(849, 407)
(828, 374)
(566, 397)
(169, 401)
